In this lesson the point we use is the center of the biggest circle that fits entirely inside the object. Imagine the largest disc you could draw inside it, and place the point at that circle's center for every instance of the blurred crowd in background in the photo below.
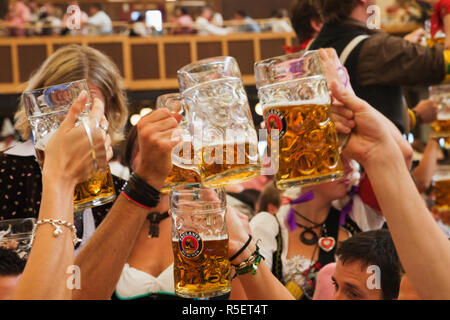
(28, 18)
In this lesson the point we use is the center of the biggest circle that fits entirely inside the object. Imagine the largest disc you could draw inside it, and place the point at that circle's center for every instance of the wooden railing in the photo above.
(149, 63)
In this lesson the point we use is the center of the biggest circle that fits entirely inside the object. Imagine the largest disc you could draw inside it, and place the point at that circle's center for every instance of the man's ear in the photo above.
(316, 25)
(272, 209)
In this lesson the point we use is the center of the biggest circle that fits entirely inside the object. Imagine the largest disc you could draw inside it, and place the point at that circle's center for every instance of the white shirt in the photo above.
(134, 283)
(100, 23)
(204, 27)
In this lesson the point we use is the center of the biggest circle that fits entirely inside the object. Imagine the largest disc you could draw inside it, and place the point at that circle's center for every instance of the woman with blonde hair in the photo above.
(20, 174)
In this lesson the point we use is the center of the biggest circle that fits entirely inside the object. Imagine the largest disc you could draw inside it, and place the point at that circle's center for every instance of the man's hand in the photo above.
(157, 136)
(427, 111)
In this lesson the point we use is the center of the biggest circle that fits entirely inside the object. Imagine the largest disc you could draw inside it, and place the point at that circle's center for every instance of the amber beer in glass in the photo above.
(441, 127)
(225, 138)
(200, 242)
(441, 192)
(296, 102)
(184, 170)
(46, 109)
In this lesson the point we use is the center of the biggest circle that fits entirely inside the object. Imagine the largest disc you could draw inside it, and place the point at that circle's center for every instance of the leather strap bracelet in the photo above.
(242, 249)
(138, 191)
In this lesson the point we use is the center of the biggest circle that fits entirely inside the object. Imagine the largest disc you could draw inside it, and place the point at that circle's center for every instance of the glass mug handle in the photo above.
(181, 161)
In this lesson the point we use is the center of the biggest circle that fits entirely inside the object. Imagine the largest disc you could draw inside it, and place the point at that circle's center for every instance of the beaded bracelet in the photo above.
(57, 231)
(250, 265)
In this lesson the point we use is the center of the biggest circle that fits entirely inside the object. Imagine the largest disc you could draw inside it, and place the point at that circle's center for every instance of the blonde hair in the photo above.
(76, 62)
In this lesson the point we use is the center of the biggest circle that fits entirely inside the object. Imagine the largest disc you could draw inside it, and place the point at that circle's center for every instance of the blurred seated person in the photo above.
(280, 21)
(205, 26)
(11, 267)
(184, 24)
(138, 27)
(48, 24)
(269, 200)
(18, 16)
(99, 23)
(306, 21)
(244, 23)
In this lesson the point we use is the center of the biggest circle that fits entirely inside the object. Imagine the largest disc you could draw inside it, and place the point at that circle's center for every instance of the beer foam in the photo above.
(299, 103)
(206, 237)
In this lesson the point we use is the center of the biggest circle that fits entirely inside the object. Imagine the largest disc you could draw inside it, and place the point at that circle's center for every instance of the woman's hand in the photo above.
(427, 111)
(238, 234)
(68, 154)
(333, 68)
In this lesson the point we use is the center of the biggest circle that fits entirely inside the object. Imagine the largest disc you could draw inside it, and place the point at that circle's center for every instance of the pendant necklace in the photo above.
(155, 218)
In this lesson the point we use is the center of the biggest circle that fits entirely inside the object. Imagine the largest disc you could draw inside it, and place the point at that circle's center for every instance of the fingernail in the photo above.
(82, 95)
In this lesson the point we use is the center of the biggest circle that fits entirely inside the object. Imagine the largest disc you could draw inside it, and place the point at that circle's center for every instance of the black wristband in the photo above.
(242, 249)
(141, 192)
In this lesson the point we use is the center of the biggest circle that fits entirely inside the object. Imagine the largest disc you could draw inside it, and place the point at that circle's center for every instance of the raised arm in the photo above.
(68, 161)
(262, 285)
(423, 248)
(424, 172)
(102, 259)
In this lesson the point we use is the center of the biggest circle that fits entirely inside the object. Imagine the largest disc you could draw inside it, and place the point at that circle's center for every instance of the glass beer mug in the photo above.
(200, 243)
(296, 103)
(16, 234)
(441, 192)
(46, 109)
(225, 138)
(441, 127)
(183, 173)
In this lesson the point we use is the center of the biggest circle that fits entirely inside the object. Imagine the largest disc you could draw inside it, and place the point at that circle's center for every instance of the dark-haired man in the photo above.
(11, 267)
(306, 21)
(368, 268)
(247, 24)
(379, 64)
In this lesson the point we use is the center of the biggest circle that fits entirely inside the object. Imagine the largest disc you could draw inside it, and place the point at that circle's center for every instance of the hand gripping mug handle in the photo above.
(181, 161)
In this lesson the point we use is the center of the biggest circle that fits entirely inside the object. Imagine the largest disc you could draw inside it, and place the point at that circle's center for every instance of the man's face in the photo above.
(8, 286)
(350, 281)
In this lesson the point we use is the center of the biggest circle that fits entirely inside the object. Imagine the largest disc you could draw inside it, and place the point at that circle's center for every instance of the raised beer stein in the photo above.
(200, 243)
(296, 102)
(16, 234)
(441, 192)
(441, 127)
(225, 138)
(184, 171)
(46, 109)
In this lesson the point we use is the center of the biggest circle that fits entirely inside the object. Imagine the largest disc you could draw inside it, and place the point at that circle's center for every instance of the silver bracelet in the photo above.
(57, 223)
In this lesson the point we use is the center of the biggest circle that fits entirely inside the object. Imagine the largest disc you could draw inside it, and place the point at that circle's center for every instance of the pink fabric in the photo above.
(185, 20)
(324, 284)
(20, 14)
